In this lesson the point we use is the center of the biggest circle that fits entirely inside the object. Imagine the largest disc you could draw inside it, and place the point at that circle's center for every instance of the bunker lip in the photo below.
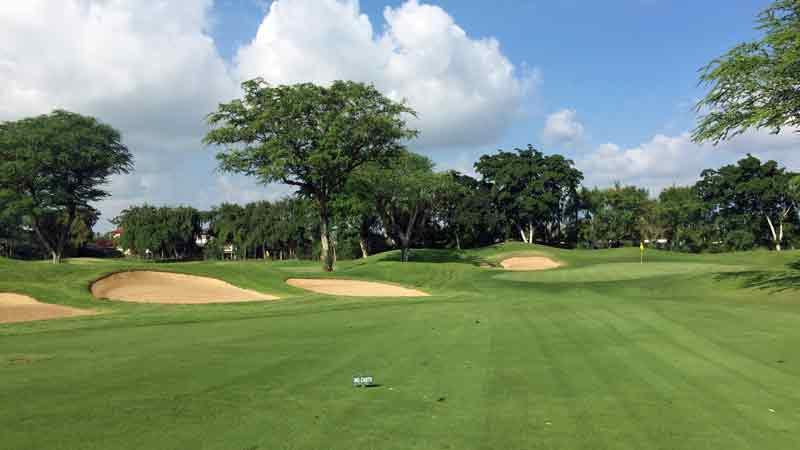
(145, 286)
(353, 288)
(529, 263)
(21, 308)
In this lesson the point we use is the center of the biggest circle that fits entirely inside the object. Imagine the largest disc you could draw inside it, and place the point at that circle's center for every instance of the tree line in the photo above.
(522, 194)
(395, 199)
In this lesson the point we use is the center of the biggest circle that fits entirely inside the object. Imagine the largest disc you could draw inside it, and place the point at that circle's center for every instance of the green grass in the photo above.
(683, 352)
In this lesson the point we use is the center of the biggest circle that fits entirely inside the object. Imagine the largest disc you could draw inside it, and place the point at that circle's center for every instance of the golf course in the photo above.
(681, 352)
(399, 225)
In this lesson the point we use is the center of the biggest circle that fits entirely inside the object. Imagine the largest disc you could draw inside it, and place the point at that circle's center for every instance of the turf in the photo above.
(683, 352)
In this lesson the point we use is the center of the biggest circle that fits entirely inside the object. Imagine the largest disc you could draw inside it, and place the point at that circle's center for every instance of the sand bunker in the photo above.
(171, 288)
(20, 308)
(352, 288)
(529, 263)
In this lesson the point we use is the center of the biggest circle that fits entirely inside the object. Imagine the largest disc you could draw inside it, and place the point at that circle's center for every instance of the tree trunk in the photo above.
(405, 237)
(522, 233)
(775, 239)
(530, 232)
(363, 238)
(458, 240)
(45, 242)
(404, 246)
(326, 255)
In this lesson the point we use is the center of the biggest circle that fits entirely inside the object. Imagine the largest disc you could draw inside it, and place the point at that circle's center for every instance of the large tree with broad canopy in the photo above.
(308, 136)
(53, 166)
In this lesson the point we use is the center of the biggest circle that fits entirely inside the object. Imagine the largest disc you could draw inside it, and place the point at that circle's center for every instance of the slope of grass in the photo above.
(683, 352)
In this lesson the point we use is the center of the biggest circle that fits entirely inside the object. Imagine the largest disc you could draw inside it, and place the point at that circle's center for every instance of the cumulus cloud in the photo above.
(147, 68)
(464, 89)
(151, 69)
(138, 63)
(676, 160)
(563, 128)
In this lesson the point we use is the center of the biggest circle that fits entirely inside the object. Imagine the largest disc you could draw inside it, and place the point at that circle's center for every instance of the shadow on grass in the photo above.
(441, 256)
(771, 280)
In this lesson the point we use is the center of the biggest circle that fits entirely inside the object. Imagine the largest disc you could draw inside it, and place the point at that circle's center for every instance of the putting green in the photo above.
(617, 272)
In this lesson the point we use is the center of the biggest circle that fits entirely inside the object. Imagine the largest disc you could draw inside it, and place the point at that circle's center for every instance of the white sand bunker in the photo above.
(171, 288)
(352, 288)
(529, 263)
(21, 308)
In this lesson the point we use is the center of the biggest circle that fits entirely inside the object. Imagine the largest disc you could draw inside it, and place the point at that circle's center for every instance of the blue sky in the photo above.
(610, 84)
(628, 67)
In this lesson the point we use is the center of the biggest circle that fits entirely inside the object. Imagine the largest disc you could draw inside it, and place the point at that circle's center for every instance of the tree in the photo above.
(81, 232)
(10, 225)
(794, 194)
(404, 190)
(228, 226)
(748, 194)
(54, 165)
(357, 212)
(259, 227)
(649, 224)
(160, 231)
(532, 190)
(467, 210)
(612, 215)
(685, 217)
(308, 136)
(754, 85)
(291, 225)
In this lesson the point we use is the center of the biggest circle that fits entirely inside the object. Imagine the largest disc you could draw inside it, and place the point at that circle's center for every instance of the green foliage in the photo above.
(405, 191)
(53, 166)
(533, 191)
(308, 136)
(684, 216)
(794, 193)
(754, 85)
(749, 197)
(160, 232)
(740, 239)
(281, 229)
(468, 212)
(612, 216)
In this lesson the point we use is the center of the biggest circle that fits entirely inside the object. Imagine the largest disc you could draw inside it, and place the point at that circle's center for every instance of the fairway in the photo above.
(678, 353)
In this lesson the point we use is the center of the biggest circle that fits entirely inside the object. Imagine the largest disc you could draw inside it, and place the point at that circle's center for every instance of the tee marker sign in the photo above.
(363, 381)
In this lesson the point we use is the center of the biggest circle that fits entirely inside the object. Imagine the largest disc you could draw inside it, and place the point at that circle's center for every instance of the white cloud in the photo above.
(151, 69)
(146, 67)
(465, 90)
(563, 128)
(137, 63)
(676, 160)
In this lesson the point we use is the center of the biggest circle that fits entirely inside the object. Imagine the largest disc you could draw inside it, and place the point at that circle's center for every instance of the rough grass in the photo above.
(683, 352)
